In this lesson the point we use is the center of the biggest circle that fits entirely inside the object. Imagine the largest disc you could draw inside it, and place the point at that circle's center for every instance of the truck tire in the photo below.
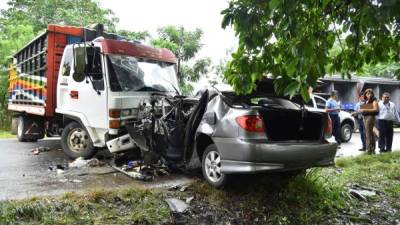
(346, 132)
(76, 142)
(14, 125)
(211, 166)
(24, 124)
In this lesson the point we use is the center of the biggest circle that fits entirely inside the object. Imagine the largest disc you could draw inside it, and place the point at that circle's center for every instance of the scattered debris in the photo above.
(58, 168)
(183, 188)
(134, 174)
(64, 180)
(173, 188)
(38, 150)
(81, 162)
(188, 200)
(135, 163)
(361, 192)
(59, 171)
(177, 205)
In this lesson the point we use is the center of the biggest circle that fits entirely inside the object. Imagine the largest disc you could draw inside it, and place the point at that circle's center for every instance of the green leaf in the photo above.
(291, 68)
(273, 4)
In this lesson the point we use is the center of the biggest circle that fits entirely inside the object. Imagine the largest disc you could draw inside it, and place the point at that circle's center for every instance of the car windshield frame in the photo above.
(133, 74)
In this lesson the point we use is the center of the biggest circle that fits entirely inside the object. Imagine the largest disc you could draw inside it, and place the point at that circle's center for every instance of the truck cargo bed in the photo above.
(34, 69)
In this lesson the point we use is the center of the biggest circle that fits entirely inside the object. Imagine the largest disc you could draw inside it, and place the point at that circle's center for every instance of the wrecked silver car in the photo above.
(224, 133)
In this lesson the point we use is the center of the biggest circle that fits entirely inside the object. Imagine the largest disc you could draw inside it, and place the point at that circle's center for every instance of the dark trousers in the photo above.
(361, 128)
(385, 135)
(336, 128)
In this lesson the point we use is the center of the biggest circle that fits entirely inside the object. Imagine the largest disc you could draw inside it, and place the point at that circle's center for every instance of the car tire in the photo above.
(346, 132)
(211, 167)
(76, 142)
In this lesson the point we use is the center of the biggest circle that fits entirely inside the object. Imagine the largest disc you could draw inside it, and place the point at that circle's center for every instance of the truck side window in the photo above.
(94, 67)
(94, 63)
(66, 68)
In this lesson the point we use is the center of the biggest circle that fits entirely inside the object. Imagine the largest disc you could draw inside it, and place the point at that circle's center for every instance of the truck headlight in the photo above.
(126, 112)
(129, 112)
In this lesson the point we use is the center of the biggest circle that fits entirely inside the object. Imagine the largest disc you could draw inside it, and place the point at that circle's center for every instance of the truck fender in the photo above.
(81, 119)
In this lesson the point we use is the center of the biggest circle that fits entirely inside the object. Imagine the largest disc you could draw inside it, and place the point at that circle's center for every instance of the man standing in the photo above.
(360, 120)
(333, 109)
(387, 114)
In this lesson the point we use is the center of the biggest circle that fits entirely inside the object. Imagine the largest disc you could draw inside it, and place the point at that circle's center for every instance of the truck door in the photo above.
(86, 96)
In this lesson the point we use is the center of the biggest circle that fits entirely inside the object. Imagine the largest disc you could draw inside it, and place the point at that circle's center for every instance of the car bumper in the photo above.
(252, 156)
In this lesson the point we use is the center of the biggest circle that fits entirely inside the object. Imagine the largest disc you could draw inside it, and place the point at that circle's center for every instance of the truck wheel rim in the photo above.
(213, 166)
(78, 140)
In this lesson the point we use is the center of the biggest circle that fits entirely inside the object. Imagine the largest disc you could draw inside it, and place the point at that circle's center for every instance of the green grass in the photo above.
(130, 206)
(318, 197)
(6, 134)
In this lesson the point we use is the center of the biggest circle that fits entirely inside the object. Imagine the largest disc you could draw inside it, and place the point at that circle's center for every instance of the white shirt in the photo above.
(388, 111)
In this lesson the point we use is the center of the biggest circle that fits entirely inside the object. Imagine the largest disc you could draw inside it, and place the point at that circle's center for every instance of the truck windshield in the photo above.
(128, 73)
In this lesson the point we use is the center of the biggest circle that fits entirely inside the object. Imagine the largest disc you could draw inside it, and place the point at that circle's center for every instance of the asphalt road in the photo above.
(23, 174)
(351, 148)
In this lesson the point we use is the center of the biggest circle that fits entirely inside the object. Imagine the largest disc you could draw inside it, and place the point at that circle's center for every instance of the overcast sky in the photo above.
(149, 15)
(140, 15)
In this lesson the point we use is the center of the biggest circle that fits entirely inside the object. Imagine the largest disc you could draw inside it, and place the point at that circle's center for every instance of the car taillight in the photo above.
(328, 128)
(251, 123)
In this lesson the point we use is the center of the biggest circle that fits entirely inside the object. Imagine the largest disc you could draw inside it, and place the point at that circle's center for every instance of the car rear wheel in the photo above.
(76, 142)
(211, 167)
(346, 132)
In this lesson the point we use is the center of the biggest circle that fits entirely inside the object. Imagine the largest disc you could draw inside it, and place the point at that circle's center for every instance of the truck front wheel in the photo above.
(76, 142)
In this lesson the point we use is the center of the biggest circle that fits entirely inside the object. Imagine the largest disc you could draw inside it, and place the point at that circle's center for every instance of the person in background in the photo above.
(369, 111)
(333, 109)
(387, 114)
(360, 120)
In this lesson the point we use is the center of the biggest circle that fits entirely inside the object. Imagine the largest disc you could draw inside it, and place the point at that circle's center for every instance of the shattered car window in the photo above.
(127, 73)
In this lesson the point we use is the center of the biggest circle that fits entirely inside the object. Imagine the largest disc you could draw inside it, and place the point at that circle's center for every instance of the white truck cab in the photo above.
(101, 95)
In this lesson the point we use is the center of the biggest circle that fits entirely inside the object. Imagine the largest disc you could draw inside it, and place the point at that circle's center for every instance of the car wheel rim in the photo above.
(78, 140)
(213, 166)
(347, 133)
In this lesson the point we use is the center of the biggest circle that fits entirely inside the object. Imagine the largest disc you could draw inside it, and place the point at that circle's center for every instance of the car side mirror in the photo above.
(79, 64)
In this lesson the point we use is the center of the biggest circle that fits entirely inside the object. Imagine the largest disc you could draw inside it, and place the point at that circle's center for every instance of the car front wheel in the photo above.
(346, 132)
(211, 167)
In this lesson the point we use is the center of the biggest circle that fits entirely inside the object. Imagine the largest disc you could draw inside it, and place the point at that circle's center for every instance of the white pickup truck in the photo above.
(347, 122)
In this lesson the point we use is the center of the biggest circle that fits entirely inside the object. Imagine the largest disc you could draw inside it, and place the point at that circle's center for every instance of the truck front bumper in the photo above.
(252, 156)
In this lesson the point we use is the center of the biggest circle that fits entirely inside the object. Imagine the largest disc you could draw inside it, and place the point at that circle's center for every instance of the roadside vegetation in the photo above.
(321, 196)
(6, 134)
